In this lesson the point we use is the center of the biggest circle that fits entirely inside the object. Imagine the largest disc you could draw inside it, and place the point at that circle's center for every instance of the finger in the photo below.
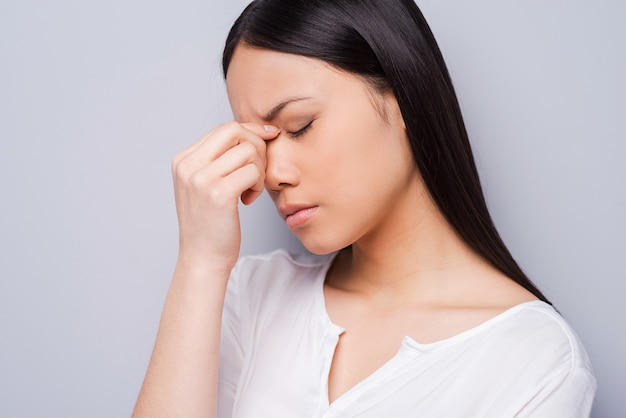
(265, 132)
(213, 145)
(210, 137)
(184, 153)
(214, 177)
(246, 179)
(238, 157)
(227, 136)
(249, 196)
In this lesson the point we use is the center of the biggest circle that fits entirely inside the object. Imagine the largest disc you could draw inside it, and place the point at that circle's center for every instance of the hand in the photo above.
(210, 176)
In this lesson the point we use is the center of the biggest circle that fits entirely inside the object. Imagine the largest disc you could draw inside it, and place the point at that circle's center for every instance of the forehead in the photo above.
(259, 78)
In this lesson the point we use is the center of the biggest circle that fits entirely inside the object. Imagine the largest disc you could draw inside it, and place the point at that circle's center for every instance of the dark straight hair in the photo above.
(389, 44)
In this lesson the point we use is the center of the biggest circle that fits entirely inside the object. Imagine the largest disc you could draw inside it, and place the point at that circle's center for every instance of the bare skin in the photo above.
(407, 272)
(209, 178)
(430, 306)
(339, 168)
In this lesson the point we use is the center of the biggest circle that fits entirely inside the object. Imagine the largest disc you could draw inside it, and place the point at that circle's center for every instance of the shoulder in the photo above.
(276, 271)
(535, 344)
(538, 328)
(540, 362)
(281, 263)
(285, 257)
(262, 289)
(531, 337)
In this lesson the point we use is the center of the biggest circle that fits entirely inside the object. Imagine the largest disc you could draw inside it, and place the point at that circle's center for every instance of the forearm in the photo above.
(209, 177)
(181, 380)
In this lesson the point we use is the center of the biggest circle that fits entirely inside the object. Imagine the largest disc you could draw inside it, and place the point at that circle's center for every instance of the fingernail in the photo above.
(271, 129)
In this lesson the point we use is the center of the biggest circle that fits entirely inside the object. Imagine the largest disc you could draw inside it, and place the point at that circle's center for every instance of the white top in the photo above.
(278, 344)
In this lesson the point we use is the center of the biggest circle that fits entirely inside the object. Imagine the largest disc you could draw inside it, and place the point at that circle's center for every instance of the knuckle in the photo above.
(198, 181)
(216, 193)
(256, 172)
(182, 169)
(220, 195)
(176, 161)
(233, 124)
(231, 127)
(248, 149)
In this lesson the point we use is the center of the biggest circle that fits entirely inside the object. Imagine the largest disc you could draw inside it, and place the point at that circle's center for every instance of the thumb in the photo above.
(266, 132)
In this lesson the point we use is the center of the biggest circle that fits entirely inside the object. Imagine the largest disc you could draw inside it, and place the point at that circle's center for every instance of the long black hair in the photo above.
(389, 44)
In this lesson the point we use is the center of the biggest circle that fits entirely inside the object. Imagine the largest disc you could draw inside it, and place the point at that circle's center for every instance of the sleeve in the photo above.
(231, 349)
(568, 394)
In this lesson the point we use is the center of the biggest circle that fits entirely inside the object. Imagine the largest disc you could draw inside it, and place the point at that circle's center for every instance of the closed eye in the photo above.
(301, 131)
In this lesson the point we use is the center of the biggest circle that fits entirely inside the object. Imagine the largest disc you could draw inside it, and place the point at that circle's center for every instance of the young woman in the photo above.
(412, 305)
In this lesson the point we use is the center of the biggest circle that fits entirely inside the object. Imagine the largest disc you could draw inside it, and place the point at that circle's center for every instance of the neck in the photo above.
(414, 252)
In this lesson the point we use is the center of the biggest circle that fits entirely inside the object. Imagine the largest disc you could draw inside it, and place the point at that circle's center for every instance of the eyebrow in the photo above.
(272, 114)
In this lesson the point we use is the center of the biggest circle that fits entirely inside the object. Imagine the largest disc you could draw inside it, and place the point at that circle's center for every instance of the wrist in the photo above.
(203, 269)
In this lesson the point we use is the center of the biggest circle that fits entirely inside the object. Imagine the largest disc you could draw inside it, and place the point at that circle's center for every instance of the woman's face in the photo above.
(341, 169)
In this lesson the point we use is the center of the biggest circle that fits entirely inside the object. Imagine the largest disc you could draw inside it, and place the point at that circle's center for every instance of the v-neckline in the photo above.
(408, 349)
(332, 334)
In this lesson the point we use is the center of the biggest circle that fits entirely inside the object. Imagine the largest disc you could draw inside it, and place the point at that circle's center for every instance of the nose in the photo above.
(281, 170)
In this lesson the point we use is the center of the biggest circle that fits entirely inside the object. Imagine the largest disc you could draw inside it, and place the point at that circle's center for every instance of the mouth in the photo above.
(297, 215)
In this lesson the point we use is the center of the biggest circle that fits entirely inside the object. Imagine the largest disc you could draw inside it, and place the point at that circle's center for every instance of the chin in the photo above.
(319, 246)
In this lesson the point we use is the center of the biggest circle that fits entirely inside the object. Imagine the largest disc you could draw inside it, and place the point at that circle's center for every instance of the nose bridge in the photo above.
(281, 170)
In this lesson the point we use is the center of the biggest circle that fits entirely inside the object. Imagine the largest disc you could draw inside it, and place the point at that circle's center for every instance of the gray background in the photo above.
(96, 97)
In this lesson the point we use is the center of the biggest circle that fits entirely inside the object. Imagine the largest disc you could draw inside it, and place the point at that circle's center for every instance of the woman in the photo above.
(346, 115)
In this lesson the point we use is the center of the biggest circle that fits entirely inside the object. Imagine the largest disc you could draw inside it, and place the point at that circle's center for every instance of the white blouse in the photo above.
(278, 343)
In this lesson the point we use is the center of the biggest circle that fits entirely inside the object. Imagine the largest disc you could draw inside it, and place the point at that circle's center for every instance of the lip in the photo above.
(296, 215)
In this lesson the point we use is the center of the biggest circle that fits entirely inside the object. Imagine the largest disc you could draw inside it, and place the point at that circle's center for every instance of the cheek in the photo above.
(366, 150)
(353, 133)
